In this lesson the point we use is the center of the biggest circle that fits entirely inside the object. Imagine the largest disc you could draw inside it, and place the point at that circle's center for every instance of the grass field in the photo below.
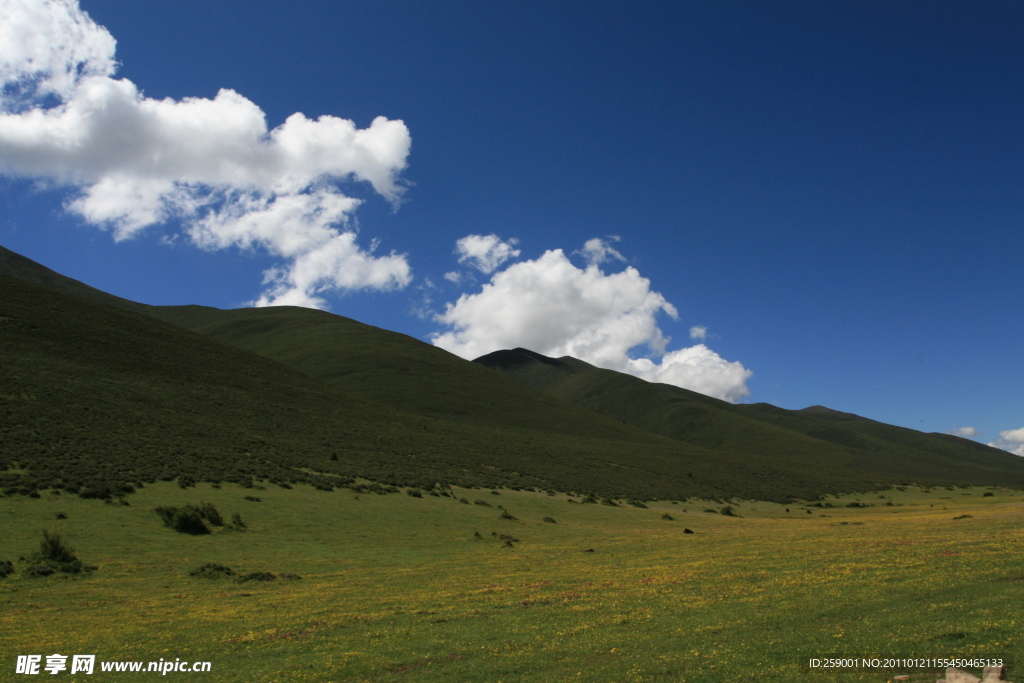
(399, 588)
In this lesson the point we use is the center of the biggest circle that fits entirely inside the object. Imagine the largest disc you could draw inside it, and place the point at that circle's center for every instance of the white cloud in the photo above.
(1011, 440)
(485, 252)
(966, 432)
(454, 277)
(552, 307)
(598, 251)
(698, 333)
(211, 163)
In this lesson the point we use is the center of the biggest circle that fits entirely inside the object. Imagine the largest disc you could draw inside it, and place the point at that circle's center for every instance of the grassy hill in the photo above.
(814, 436)
(108, 392)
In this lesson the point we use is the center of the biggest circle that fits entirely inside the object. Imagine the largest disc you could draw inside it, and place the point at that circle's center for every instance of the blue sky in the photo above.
(832, 191)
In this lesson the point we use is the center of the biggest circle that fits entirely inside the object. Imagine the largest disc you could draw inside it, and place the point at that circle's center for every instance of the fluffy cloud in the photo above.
(485, 252)
(598, 251)
(966, 432)
(552, 307)
(698, 333)
(1011, 440)
(210, 163)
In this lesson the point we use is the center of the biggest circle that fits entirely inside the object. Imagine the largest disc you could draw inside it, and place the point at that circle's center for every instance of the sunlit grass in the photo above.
(400, 588)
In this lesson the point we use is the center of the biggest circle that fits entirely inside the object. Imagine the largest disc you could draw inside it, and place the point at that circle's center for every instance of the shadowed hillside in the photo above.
(292, 394)
(814, 435)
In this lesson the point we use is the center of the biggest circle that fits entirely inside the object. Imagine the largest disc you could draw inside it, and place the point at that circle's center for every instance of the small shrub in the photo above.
(505, 515)
(6, 568)
(689, 531)
(728, 511)
(590, 499)
(550, 520)
(414, 493)
(256, 576)
(481, 502)
(637, 504)
(186, 520)
(495, 493)
(208, 512)
(668, 517)
(463, 500)
(254, 499)
(290, 577)
(236, 521)
(39, 570)
(53, 547)
(609, 502)
(964, 517)
(211, 570)
(185, 482)
(987, 494)
(61, 515)
(857, 504)
(711, 510)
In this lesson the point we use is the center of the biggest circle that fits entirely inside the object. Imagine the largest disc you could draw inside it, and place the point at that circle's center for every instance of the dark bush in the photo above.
(236, 521)
(291, 577)
(38, 570)
(987, 494)
(550, 520)
(495, 493)
(414, 493)
(54, 548)
(254, 499)
(186, 520)
(61, 515)
(6, 568)
(590, 499)
(463, 500)
(505, 515)
(728, 511)
(211, 570)
(668, 517)
(256, 576)
(481, 502)
(711, 510)
(637, 504)
(608, 501)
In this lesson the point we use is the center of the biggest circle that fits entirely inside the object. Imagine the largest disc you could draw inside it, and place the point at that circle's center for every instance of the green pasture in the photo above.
(400, 588)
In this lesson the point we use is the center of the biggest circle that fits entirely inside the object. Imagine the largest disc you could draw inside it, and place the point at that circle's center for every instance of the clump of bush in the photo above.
(550, 520)
(481, 502)
(255, 499)
(964, 517)
(55, 555)
(728, 511)
(190, 519)
(414, 493)
(668, 517)
(256, 576)
(505, 515)
(211, 570)
(637, 504)
(6, 568)
(236, 522)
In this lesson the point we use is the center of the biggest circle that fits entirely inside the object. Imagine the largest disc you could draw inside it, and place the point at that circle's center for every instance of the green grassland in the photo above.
(399, 588)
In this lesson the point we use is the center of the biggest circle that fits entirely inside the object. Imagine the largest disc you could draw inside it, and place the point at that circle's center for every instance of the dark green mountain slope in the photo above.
(97, 399)
(814, 435)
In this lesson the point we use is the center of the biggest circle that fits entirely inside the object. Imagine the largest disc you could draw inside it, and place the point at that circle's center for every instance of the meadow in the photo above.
(403, 588)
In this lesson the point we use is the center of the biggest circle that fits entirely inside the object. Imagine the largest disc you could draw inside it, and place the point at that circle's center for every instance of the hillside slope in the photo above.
(814, 435)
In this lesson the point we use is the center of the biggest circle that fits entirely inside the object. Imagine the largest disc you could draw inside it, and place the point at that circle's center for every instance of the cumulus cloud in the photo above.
(212, 164)
(1011, 440)
(485, 252)
(698, 333)
(598, 251)
(552, 307)
(966, 432)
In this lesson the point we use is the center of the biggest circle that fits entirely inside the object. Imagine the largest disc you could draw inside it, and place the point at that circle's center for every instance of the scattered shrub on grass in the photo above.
(414, 493)
(637, 504)
(689, 531)
(505, 515)
(590, 499)
(481, 502)
(857, 504)
(237, 523)
(728, 511)
(54, 548)
(256, 576)
(668, 517)
(55, 555)
(714, 511)
(291, 577)
(509, 540)
(436, 494)
(211, 570)
(186, 481)
(255, 499)
(189, 519)
(987, 494)
(550, 520)
(61, 515)
(964, 517)
(6, 568)
(463, 500)
(39, 570)
(495, 493)
(609, 502)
